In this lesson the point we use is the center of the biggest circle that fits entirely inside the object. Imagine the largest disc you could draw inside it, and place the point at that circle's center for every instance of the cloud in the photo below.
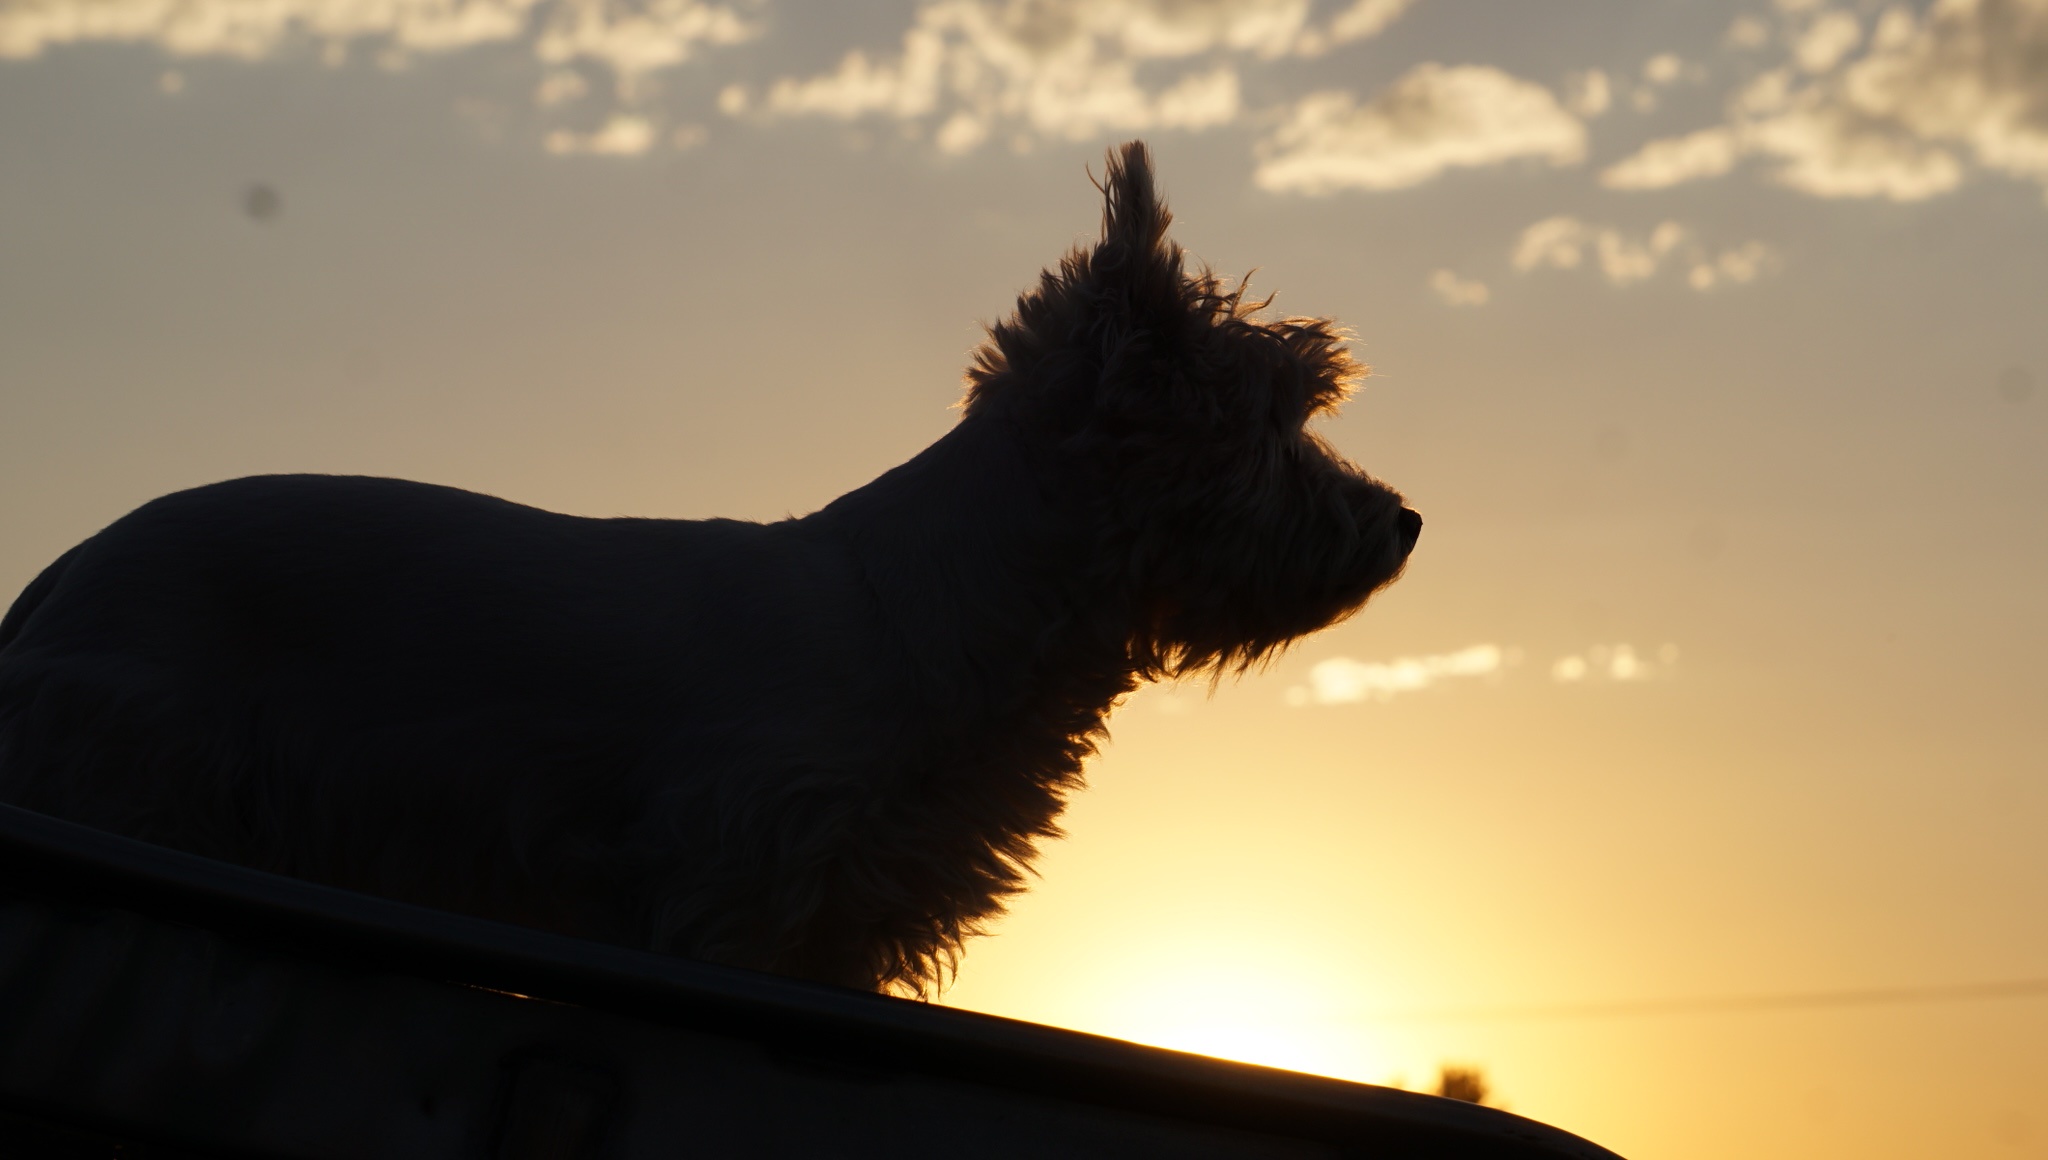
(1832, 36)
(1555, 241)
(1660, 72)
(631, 37)
(1589, 94)
(1929, 97)
(634, 38)
(621, 136)
(1742, 264)
(1747, 32)
(1367, 18)
(969, 71)
(1456, 291)
(1663, 69)
(560, 86)
(1705, 153)
(1341, 680)
(1613, 662)
(1566, 243)
(1434, 118)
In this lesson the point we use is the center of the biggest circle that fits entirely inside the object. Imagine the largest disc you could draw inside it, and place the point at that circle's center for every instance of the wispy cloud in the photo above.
(1433, 119)
(1341, 680)
(971, 71)
(1663, 69)
(1366, 18)
(1660, 72)
(1589, 94)
(621, 136)
(1672, 160)
(1747, 31)
(621, 44)
(631, 37)
(965, 74)
(1614, 662)
(1564, 242)
(1905, 104)
(1831, 36)
(1928, 96)
(1455, 291)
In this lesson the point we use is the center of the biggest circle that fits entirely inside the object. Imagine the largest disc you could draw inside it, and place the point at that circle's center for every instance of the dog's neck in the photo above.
(985, 584)
(1000, 658)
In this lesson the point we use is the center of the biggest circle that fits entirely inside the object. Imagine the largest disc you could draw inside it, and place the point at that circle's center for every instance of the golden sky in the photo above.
(1710, 337)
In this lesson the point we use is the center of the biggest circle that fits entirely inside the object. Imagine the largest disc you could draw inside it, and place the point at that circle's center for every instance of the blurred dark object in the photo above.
(157, 1004)
(1462, 1083)
(261, 202)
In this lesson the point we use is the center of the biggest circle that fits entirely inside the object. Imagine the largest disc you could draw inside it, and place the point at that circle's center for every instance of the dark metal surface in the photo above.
(176, 1003)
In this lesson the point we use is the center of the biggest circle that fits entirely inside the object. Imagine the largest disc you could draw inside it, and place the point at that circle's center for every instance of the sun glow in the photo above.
(1225, 1002)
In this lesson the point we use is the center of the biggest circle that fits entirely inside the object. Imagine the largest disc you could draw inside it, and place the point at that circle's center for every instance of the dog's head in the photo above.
(1179, 418)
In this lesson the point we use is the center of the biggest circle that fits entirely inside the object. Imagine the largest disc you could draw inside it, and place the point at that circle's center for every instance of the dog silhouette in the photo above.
(823, 747)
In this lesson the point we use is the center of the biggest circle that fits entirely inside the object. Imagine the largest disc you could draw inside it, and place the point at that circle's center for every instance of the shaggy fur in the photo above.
(823, 747)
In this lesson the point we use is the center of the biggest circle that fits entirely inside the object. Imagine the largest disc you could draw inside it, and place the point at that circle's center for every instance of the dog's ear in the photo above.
(1133, 217)
(1134, 260)
(1129, 286)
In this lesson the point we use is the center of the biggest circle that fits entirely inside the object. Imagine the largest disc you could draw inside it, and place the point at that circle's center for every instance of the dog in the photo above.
(824, 747)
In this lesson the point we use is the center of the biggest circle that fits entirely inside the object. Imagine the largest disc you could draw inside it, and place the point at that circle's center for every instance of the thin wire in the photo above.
(1788, 1001)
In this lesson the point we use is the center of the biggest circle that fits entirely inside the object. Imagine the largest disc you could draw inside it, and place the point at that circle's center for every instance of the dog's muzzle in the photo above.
(1411, 530)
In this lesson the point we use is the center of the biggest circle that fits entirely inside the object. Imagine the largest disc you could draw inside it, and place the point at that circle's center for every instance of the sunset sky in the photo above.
(1710, 338)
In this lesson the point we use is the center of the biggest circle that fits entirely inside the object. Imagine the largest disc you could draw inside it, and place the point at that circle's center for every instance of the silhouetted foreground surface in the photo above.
(186, 1007)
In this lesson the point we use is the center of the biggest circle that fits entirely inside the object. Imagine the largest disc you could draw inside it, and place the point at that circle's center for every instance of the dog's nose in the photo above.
(1411, 529)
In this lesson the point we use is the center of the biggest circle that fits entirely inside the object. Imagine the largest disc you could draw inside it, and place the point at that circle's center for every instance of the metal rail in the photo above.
(168, 1001)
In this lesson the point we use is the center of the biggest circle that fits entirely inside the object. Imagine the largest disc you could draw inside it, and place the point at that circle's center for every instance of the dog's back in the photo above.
(415, 690)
